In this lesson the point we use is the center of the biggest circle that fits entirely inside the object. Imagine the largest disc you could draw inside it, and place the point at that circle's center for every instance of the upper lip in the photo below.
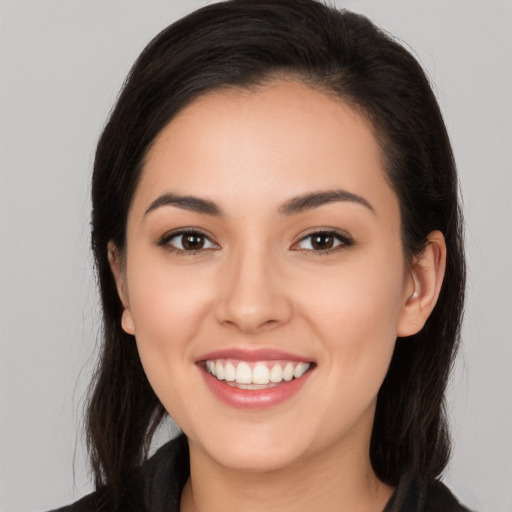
(252, 355)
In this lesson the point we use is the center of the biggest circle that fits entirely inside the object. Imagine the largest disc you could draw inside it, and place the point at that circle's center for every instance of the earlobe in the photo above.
(114, 259)
(425, 280)
(127, 322)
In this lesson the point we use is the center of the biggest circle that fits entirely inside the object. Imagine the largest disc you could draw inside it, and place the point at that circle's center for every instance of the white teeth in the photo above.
(230, 372)
(258, 374)
(288, 372)
(243, 374)
(300, 370)
(219, 370)
(276, 374)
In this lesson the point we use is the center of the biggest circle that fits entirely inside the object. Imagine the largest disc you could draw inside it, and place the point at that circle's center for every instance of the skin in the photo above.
(258, 283)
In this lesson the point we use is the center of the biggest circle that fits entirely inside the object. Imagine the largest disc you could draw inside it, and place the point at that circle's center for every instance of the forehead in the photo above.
(248, 147)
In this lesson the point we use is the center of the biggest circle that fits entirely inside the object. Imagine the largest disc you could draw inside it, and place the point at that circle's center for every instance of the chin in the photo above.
(248, 457)
(255, 448)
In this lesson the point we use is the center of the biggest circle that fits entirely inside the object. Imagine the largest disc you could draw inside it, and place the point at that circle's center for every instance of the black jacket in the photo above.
(157, 486)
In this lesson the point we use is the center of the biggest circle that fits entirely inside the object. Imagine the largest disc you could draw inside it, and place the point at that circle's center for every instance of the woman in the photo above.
(278, 242)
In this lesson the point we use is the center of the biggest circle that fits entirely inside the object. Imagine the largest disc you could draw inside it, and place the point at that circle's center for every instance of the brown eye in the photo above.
(187, 241)
(192, 242)
(323, 241)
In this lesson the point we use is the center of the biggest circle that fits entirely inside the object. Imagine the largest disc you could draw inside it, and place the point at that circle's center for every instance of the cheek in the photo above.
(355, 310)
(355, 315)
(167, 308)
(163, 298)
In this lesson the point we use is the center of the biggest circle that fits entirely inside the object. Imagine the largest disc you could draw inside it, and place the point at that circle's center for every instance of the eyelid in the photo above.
(342, 236)
(164, 240)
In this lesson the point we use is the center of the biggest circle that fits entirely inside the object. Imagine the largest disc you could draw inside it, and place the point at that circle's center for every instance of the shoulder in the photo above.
(158, 482)
(418, 495)
(439, 497)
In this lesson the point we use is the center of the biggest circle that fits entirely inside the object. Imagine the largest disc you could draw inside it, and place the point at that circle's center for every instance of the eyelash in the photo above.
(343, 239)
(165, 240)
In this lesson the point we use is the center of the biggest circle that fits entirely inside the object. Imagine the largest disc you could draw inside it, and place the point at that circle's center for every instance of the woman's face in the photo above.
(264, 240)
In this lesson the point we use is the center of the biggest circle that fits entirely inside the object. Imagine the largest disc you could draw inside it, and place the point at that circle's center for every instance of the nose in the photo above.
(252, 293)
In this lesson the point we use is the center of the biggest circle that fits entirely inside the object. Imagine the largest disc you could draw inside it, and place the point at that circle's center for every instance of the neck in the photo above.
(330, 481)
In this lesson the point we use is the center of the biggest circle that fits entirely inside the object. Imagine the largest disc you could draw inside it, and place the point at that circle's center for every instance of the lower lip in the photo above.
(254, 398)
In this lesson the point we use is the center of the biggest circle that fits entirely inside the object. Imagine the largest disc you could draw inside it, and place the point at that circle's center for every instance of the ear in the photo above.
(423, 285)
(116, 266)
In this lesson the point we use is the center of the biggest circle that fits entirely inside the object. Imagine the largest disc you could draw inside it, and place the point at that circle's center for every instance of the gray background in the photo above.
(62, 63)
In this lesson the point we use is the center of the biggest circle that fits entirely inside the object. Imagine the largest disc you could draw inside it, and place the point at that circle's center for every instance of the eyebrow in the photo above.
(293, 206)
(315, 199)
(195, 204)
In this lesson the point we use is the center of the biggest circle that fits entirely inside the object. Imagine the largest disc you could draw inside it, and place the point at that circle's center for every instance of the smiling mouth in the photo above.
(255, 375)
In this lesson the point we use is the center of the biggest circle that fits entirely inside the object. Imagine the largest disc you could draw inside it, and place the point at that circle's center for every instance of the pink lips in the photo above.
(252, 355)
(252, 398)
